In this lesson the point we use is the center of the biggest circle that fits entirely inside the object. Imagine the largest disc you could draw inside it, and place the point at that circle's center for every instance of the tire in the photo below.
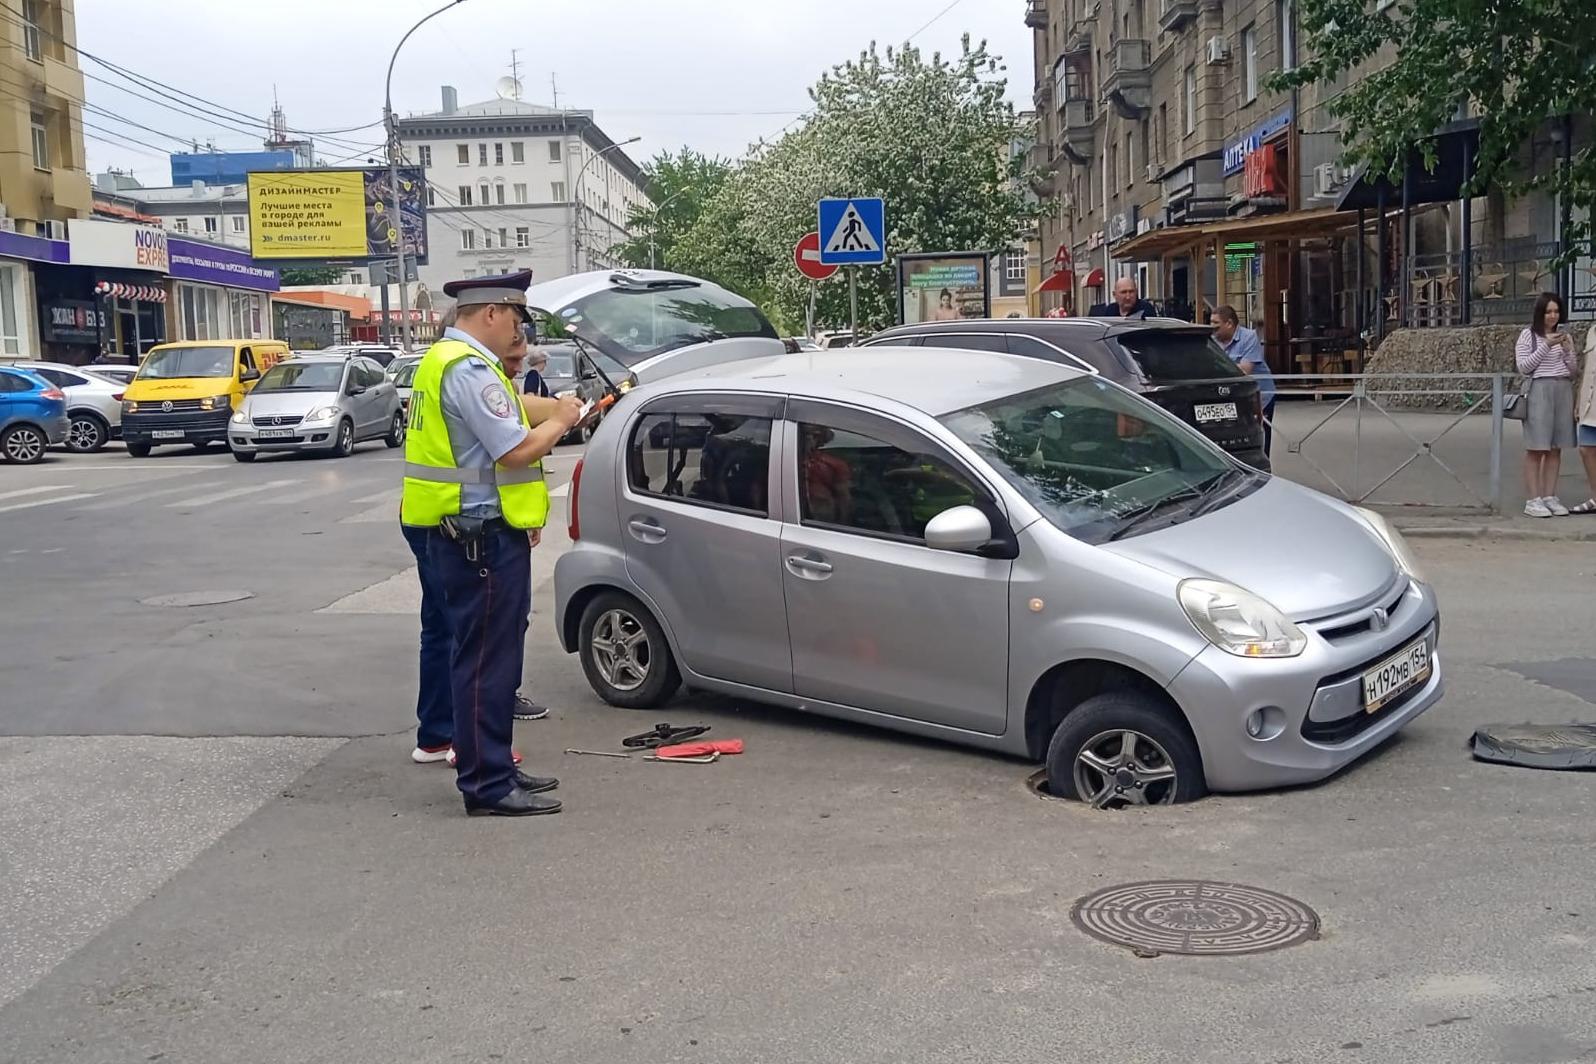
(396, 431)
(202, 446)
(1165, 767)
(243, 456)
(647, 676)
(344, 444)
(138, 450)
(88, 432)
(23, 444)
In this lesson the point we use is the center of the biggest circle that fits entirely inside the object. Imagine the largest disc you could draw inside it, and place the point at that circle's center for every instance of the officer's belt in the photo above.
(443, 475)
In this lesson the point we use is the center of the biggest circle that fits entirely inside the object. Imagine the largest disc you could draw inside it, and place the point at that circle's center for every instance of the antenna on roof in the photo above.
(508, 89)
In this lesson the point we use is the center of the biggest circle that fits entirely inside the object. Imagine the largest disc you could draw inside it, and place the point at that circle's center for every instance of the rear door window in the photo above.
(710, 458)
(1164, 356)
(11, 382)
(967, 341)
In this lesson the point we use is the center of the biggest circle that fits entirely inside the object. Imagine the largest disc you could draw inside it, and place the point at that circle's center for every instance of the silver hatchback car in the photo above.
(321, 403)
(1014, 554)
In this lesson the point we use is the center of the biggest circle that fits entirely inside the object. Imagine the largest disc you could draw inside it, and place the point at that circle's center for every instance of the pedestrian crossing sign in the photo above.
(853, 232)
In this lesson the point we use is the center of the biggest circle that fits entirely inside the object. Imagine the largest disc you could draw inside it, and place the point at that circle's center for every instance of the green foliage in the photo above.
(312, 275)
(679, 185)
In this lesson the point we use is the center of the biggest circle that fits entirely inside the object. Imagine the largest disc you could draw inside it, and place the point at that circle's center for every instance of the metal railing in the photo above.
(1422, 442)
(1500, 286)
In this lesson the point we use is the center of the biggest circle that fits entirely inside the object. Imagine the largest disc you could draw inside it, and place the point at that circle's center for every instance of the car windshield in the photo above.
(407, 375)
(302, 377)
(561, 364)
(1089, 455)
(170, 363)
(1166, 355)
(634, 324)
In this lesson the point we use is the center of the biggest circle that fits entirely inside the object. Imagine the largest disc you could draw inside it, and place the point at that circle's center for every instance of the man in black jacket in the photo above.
(1128, 302)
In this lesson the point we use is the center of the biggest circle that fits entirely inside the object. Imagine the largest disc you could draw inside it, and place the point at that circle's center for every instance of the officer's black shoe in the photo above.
(535, 784)
(516, 803)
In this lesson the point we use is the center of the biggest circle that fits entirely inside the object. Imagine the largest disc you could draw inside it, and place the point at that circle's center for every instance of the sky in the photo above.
(713, 75)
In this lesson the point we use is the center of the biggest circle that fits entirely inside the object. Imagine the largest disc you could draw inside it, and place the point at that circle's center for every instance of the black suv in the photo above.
(1172, 363)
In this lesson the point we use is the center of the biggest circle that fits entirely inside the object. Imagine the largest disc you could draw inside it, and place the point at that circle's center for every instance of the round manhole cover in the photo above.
(1194, 918)
(198, 598)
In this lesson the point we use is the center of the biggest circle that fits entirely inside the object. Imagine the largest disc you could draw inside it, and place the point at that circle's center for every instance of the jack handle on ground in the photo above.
(599, 753)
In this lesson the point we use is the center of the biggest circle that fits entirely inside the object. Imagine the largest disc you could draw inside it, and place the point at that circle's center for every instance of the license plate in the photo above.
(274, 434)
(167, 434)
(1215, 412)
(1396, 674)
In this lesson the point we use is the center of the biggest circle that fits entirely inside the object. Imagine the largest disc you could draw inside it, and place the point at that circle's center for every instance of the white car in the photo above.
(116, 374)
(94, 404)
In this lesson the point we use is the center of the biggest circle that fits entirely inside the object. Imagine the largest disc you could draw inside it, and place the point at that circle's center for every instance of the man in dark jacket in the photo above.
(1128, 302)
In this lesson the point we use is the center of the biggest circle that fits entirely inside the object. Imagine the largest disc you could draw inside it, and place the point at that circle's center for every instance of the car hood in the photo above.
(143, 391)
(271, 403)
(1307, 553)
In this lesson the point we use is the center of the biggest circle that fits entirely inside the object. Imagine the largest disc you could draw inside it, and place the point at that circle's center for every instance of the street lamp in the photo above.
(392, 125)
(576, 228)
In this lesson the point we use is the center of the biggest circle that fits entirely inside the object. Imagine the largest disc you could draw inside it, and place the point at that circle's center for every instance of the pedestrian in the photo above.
(537, 360)
(1585, 431)
(1545, 356)
(1246, 351)
(474, 486)
(1128, 302)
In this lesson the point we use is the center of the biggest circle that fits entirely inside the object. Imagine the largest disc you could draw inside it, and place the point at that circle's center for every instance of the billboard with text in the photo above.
(335, 214)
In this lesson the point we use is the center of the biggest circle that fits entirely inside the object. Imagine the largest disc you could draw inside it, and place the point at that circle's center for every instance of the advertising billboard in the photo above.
(943, 287)
(335, 214)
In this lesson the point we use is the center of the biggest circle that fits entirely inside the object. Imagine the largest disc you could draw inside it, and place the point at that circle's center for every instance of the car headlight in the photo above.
(1401, 553)
(215, 402)
(1239, 622)
(322, 413)
(130, 406)
(239, 417)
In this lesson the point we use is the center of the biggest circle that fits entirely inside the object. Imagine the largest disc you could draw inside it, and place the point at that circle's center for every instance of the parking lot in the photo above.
(214, 847)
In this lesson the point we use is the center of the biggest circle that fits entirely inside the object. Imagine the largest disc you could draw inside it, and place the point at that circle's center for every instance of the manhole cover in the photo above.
(198, 598)
(1194, 918)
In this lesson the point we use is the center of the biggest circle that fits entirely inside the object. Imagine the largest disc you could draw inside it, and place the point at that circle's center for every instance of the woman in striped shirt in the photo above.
(1546, 356)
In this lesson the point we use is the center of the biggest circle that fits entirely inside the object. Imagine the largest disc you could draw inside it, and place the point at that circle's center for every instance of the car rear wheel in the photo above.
(1124, 748)
(22, 444)
(396, 431)
(138, 450)
(625, 654)
(87, 433)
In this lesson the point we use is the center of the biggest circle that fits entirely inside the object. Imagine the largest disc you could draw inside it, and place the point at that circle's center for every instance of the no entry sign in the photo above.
(806, 256)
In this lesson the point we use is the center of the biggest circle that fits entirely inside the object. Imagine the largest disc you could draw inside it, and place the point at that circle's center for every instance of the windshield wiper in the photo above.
(1219, 493)
(1197, 490)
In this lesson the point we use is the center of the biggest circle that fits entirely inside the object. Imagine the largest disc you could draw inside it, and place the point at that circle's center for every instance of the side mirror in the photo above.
(248, 375)
(961, 528)
(357, 389)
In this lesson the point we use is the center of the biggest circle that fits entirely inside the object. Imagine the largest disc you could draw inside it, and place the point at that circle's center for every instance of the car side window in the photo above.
(370, 374)
(967, 341)
(715, 459)
(246, 359)
(850, 480)
(10, 382)
(1031, 347)
(57, 378)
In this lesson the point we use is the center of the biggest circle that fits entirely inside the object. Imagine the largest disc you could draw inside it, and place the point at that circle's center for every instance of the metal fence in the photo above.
(1423, 442)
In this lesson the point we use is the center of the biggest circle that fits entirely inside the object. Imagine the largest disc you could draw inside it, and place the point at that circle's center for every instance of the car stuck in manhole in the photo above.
(1017, 556)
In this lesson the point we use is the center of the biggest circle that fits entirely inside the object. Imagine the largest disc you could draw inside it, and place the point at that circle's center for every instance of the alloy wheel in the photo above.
(84, 434)
(24, 444)
(621, 650)
(1124, 767)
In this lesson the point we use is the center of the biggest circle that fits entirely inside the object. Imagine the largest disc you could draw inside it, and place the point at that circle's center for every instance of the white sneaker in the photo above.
(1555, 505)
(423, 755)
(1537, 508)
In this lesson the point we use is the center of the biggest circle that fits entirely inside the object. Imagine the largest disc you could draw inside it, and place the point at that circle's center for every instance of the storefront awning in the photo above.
(1454, 147)
(1093, 279)
(1062, 281)
(1283, 226)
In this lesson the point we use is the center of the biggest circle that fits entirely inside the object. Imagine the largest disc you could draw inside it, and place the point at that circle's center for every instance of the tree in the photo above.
(679, 185)
(1516, 63)
(312, 275)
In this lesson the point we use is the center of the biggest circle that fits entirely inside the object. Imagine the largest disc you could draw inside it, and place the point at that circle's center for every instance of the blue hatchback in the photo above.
(32, 415)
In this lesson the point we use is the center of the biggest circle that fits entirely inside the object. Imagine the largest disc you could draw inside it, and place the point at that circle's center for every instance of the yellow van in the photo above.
(185, 392)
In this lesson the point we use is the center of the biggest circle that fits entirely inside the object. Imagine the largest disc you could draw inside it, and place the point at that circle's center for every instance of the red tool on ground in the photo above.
(703, 749)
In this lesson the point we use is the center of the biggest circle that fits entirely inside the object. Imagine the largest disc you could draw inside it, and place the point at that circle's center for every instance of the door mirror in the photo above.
(246, 375)
(357, 389)
(960, 528)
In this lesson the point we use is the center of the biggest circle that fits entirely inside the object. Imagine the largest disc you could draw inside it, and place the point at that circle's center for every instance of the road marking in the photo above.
(41, 489)
(150, 467)
(388, 495)
(137, 495)
(232, 493)
(300, 496)
(47, 502)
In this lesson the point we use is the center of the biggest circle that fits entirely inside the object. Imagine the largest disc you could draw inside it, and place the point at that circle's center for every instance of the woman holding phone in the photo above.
(1545, 355)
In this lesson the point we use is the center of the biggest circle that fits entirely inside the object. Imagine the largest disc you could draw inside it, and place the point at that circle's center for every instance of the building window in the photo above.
(426, 154)
(486, 197)
(487, 240)
(518, 151)
(31, 46)
(238, 223)
(482, 155)
(504, 237)
(498, 154)
(558, 189)
(554, 151)
(431, 199)
(11, 328)
(468, 240)
(465, 195)
(1130, 162)
(1147, 145)
(180, 225)
(463, 152)
(520, 192)
(468, 274)
(498, 192)
(1285, 15)
(210, 227)
(1161, 134)
(1190, 100)
(41, 144)
(1249, 64)
(523, 237)
(1112, 177)
(1014, 265)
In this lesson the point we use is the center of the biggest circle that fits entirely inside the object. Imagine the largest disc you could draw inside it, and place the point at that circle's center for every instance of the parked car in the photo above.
(403, 382)
(32, 415)
(94, 404)
(393, 368)
(655, 323)
(1023, 556)
(324, 403)
(795, 344)
(185, 393)
(114, 372)
(1173, 363)
(382, 354)
(825, 341)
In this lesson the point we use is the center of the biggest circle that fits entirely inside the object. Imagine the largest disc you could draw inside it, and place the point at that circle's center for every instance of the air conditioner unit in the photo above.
(1327, 179)
(1153, 170)
(55, 230)
(1218, 51)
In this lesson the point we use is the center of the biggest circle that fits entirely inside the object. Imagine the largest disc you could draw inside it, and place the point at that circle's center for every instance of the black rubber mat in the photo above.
(1560, 746)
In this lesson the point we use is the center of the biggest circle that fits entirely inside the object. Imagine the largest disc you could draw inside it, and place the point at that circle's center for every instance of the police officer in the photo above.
(474, 484)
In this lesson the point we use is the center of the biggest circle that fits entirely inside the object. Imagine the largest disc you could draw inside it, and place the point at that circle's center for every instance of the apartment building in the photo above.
(514, 185)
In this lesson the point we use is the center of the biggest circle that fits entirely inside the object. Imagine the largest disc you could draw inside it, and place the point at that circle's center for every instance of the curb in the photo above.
(1497, 532)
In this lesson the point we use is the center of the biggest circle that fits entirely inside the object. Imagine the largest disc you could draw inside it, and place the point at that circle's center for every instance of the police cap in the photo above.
(509, 289)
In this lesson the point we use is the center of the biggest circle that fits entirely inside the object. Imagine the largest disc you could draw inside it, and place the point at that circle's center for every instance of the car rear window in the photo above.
(631, 325)
(1166, 355)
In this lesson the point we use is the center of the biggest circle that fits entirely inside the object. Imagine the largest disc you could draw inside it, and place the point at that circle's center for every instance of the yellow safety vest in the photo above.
(432, 477)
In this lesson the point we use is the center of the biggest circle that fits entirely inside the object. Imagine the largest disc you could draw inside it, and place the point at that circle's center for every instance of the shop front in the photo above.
(219, 293)
(117, 282)
(19, 322)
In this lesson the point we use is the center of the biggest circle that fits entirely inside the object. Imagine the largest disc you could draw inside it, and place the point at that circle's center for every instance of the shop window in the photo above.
(11, 325)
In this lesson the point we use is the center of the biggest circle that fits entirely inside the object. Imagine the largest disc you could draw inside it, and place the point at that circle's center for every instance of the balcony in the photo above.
(1036, 14)
(62, 81)
(1043, 96)
(1043, 165)
(1079, 38)
(70, 190)
(1173, 14)
(1080, 130)
(1128, 82)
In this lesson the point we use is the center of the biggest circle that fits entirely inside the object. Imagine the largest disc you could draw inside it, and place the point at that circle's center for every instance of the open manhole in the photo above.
(197, 598)
(1194, 918)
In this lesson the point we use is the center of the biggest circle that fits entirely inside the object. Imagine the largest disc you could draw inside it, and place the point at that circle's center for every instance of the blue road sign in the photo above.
(853, 232)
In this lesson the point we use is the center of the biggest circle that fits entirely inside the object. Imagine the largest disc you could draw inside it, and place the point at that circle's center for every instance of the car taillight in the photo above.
(52, 393)
(573, 502)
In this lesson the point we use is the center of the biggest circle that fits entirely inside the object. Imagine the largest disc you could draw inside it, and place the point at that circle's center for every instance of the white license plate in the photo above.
(167, 434)
(1215, 412)
(274, 434)
(1396, 674)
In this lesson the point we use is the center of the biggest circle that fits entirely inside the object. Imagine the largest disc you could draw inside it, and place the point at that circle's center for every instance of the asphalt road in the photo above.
(214, 848)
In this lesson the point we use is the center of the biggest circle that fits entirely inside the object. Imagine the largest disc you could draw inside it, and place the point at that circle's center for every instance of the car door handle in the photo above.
(811, 568)
(646, 530)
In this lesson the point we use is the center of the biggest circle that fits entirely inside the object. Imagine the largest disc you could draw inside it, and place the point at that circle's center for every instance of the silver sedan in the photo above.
(320, 403)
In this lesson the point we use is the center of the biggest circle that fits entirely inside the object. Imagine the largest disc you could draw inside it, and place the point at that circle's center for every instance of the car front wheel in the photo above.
(23, 444)
(396, 431)
(625, 654)
(1124, 748)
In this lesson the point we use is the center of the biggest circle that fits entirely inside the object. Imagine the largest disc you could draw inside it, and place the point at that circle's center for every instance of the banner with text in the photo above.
(335, 214)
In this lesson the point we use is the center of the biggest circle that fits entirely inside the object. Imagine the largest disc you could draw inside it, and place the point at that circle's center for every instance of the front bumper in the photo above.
(1317, 699)
(302, 437)
(196, 426)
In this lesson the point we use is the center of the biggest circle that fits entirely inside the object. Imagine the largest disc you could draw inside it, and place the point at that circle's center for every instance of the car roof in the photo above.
(1031, 326)
(335, 359)
(932, 380)
(560, 292)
